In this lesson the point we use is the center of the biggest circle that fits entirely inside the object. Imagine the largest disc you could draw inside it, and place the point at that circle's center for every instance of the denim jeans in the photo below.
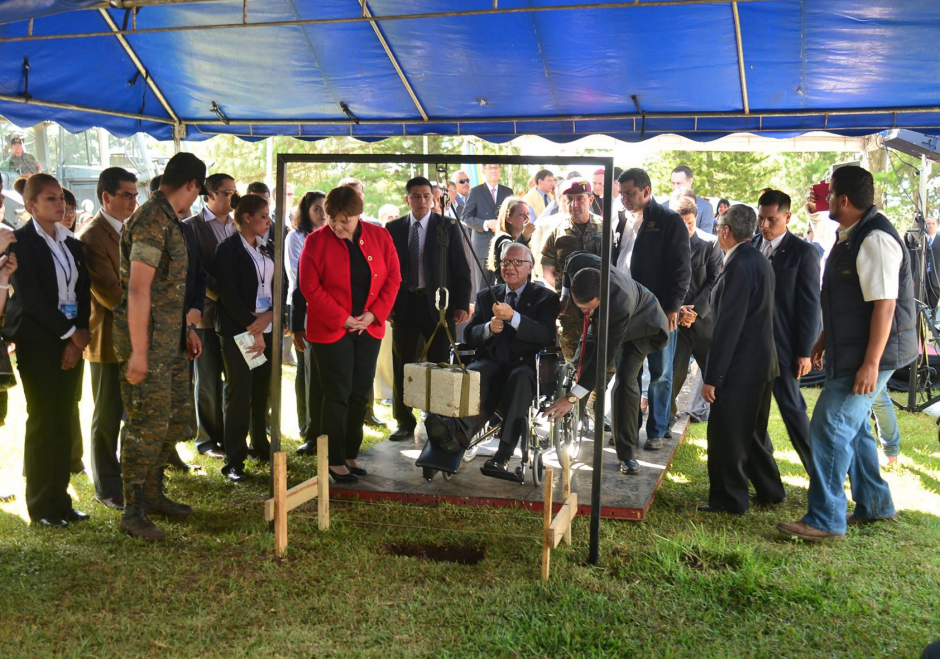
(659, 392)
(842, 444)
(886, 423)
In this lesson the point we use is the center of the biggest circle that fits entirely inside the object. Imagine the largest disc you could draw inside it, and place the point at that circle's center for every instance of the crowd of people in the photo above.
(174, 312)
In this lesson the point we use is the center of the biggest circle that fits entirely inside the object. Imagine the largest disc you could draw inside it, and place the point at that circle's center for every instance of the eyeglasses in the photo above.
(127, 196)
(463, 180)
(515, 263)
(227, 193)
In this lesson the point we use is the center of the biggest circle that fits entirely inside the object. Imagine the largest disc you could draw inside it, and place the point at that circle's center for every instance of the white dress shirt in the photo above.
(769, 247)
(66, 272)
(264, 269)
(117, 225)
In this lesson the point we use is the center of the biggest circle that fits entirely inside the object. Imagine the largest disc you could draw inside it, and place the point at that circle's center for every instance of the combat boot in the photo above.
(156, 502)
(134, 521)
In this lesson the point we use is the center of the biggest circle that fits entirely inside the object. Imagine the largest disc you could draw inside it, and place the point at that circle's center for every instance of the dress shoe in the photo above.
(74, 516)
(237, 475)
(442, 433)
(214, 453)
(852, 520)
(494, 463)
(342, 478)
(763, 502)
(629, 467)
(307, 448)
(51, 523)
(804, 531)
(713, 509)
(402, 434)
(653, 443)
(375, 422)
(114, 503)
(357, 471)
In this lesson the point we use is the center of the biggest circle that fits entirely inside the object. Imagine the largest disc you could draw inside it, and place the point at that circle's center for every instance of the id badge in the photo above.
(263, 303)
(69, 307)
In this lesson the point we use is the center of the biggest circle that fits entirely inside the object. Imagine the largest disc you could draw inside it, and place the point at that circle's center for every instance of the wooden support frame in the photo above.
(284, 500)
(557, 529)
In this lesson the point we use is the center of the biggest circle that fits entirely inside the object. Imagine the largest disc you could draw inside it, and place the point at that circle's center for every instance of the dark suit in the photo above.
(479, 208)
(796, 327)
(414, 315)
(742, 364)
(694, 341)
(245, 395)
(34, 322)
(209, 366)
(932, 264)
(636, 326)
(506, 361)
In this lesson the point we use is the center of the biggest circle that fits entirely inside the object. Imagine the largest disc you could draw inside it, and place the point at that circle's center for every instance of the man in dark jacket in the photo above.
(507, 335)
(869, 331)
(661, 262)
(636, 327)
(796, 312)
(742, 365)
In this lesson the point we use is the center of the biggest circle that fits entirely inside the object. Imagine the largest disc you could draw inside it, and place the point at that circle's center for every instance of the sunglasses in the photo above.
(463, 180)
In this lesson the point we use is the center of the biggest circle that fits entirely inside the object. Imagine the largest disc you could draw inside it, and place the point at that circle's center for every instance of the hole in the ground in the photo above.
(440, 553)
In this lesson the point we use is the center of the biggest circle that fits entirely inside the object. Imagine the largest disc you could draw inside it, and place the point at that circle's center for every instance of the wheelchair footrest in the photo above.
(517, 476)
(433, 457)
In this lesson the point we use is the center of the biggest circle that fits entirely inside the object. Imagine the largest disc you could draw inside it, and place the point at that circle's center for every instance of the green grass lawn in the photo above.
(680, 584)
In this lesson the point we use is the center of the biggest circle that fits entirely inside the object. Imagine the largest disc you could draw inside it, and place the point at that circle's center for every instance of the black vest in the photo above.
(846, 314)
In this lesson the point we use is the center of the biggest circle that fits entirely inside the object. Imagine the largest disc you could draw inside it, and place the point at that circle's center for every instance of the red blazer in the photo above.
(324, 281)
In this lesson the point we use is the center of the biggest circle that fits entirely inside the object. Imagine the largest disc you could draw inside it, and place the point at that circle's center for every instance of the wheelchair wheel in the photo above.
(448, 475)
(537, 466)
(567, 434)
(471, 452)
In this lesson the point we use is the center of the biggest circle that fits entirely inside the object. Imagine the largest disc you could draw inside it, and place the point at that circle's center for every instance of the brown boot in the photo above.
(156, 502)
(134, 521)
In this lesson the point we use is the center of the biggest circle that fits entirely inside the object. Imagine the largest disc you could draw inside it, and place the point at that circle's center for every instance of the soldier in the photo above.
(21, 162)
(580, 231)
(151, 343)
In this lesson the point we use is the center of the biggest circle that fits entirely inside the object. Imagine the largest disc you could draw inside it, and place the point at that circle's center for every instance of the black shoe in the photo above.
(51, 523)
(494, 463)
(74, 516)
(441, 433)
(402, 434)
(713, 509)
(667, 434)
(673, 419)
(176, 462)
(629, 467)
(375, 422)
(357, 471)
(237, 475)
(761, 502)
(653, 443)
(114, 503)
(307, 448)
(343, 478)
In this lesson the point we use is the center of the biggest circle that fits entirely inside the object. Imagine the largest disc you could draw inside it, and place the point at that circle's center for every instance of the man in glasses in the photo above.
(212, 225)
(461, 183)
(117, 194)
(507, 335)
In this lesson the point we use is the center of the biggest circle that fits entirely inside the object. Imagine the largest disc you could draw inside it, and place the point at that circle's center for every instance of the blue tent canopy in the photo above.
(318, 68)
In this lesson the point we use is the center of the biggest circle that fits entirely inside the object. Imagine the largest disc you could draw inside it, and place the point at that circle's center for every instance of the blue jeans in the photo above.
(886, 423)
(659, 392)
(842, 444)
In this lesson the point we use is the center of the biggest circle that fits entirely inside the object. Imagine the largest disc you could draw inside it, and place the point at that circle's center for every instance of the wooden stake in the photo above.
(323, 482)
(547, 522)
(566, 486)
(280, 503)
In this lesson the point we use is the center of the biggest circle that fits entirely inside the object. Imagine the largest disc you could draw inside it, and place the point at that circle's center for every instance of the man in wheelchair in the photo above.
(507, 335)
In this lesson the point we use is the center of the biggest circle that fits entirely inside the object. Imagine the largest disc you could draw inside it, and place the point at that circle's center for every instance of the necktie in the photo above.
(768, 248)
(929, 254)
(511, 299)
(414, 257)
(493, 192)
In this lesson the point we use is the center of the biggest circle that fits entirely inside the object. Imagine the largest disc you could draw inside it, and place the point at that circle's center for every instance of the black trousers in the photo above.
(739, 449)
(210, 418)
(106, 429)
(245, 403)
(313, 396)
(413, 328)
(688, 344)
(50, 395)
(626, 401)
(509, 388)
(793, 410)
(78, 442)
(300, 392)
(347, 369)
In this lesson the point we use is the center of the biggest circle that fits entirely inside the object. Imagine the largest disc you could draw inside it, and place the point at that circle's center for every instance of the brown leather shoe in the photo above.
(804, 531)
(852, 520)
(214, 453)
(114, 503)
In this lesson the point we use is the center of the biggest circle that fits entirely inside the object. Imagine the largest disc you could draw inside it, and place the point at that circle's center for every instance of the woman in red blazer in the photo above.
(349, 275)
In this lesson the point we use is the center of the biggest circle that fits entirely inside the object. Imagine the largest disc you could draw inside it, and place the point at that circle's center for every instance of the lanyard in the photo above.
(261, 271)
(66, 269)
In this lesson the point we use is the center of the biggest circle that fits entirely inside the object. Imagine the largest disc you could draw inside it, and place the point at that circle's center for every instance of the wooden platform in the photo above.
(394, 476)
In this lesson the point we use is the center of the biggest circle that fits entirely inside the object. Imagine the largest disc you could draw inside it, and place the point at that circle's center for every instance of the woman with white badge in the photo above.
(244, 274)
(47, 318)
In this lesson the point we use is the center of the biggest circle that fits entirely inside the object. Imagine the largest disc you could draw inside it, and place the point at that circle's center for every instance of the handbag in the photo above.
(7, 377)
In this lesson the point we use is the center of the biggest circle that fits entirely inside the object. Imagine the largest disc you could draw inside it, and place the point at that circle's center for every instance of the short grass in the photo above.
(681, 584)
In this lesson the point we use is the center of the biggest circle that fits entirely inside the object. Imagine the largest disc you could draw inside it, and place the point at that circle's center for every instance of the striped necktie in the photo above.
(414, 257)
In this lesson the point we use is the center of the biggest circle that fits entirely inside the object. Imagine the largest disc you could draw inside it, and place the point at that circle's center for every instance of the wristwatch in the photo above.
(191, 327)
(573, 399)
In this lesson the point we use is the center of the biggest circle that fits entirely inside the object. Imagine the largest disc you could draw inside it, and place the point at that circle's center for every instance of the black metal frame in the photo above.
(600, 387)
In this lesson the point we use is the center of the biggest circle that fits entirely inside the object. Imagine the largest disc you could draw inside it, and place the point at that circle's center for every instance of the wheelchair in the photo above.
(539, 436)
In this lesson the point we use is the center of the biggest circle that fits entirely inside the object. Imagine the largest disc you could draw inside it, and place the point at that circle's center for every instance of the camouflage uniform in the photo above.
(22, 165)
(159, 408)
(564, 239)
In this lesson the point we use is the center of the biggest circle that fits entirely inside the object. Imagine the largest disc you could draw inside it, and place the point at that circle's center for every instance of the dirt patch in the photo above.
(459, 554)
